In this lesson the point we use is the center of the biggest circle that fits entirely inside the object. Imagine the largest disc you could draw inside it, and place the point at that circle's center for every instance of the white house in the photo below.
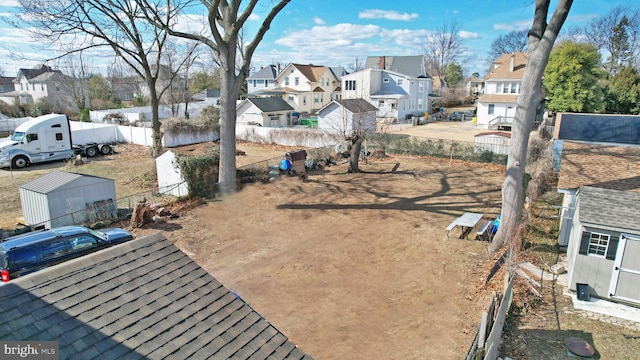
(268, 111)
(497, 106)
(398, 86)
(347, 116)
(262, 80)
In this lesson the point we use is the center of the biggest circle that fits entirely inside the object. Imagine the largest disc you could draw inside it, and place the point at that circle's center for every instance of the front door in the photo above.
(626, 271)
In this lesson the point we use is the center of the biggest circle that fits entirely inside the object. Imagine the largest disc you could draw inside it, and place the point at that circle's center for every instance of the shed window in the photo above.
(598, 244)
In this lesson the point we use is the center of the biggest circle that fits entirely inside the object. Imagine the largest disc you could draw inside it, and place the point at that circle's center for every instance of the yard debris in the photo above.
(145, 213)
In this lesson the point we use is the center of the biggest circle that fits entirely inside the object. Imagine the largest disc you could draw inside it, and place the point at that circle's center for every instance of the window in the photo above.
(33, 87)
(297, 80)
(317, 98)
(83, 242)
(286, 81)
(598, 244)
(421, 86)
(53, 249)
(499, 88)
(24, 257)
(32, 137)
(400, 82)
(59, 136)
(304, 100)
(42, 86)
(21, 86)
(57, 87)
(380, 103)
(385, 80)
(275, 120)
(419, 104)
(514, 88)
(290, 98)
(350, 85)
(491, 109)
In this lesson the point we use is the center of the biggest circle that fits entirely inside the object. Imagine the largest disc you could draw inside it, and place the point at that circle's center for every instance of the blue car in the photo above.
(30, 252)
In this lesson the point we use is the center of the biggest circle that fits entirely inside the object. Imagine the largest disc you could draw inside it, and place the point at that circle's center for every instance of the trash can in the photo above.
(583, 292)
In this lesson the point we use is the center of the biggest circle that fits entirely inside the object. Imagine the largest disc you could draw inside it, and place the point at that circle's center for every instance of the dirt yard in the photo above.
(347, 266)
(354, 266)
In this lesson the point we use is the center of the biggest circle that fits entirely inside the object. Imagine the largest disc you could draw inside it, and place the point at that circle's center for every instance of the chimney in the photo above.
(512, 62)
(381, 62)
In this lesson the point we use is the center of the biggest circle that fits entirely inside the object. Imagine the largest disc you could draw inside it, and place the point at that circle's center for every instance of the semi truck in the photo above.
(43, 139)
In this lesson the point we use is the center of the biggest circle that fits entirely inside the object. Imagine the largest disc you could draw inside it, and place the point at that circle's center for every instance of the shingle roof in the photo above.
(603, 128)
(268, 104)
(412, 65)
(499, 98)
(357, 105)
(611, 208)
(144, 299)
(501, 67)
(31, 73)
(602, 166)
(267, 72)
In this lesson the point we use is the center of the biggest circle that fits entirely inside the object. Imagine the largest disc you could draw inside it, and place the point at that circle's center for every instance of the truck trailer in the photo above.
(43, 139)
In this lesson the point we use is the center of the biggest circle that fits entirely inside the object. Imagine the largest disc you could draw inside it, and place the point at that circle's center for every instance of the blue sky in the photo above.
(335, 33)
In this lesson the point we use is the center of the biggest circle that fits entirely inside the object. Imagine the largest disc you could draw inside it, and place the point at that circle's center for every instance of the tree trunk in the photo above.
(155, 119)
(228, 94)
(354, 155)
(541, 38)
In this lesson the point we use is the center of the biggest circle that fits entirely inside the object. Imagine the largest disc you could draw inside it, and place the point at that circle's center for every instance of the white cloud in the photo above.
(328, 38)
(468, 35)
(254, 17)
(318, 21)
(10, 3)
(513, 26)
(386, 14)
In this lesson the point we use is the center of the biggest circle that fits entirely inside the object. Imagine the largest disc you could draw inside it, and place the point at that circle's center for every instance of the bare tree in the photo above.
(541, 39)
(605, 32)
(78, 25)
(357, 65)
(442, 48)
(225, 22)
(77, 82)
(509, 43)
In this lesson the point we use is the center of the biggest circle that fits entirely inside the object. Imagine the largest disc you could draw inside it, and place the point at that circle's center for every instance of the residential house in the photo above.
(398, 86)
(6, 84)
(474, 86)
(43, 83)
(347, 116)
(604, 248)
(262, 81)
(307, 88)
(143, 299)
(497, 106)
(267, 111)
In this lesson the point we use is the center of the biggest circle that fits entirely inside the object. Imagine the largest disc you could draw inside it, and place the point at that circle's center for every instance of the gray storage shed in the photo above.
(62, 198)
(604, 248)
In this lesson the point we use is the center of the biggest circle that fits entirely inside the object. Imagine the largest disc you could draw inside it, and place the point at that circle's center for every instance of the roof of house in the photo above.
(602, 166)
(610, 208)
(141, 299)
(312, 72)
(603, 128)
(268, 104)
(7, 80)
(268, 72)
(501, 67)
(499, 98)
(55, 180)
(32, 73)
(412, 65)
(357, 105)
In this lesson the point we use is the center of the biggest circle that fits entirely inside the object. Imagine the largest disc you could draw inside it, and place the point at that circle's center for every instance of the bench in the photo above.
(483, 232)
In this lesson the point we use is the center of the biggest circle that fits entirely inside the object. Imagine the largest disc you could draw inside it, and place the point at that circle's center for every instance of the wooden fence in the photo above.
(487, 340)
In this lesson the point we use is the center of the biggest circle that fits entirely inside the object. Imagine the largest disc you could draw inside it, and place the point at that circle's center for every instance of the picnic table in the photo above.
(466, 222)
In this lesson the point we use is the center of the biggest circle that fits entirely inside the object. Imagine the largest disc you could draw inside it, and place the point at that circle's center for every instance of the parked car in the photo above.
(30, 252)
(469, 114)
(456, 116)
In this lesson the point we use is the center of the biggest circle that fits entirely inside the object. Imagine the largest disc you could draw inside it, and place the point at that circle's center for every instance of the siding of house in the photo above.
(591, 269)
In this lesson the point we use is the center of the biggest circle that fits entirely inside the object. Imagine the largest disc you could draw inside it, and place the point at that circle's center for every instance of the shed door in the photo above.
(625, 282)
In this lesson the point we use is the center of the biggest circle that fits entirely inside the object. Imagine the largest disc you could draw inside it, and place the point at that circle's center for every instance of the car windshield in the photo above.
(17, 136)
(99, 235)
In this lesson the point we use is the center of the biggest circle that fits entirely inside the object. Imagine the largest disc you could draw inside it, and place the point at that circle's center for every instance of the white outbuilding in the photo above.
(170, 179)
(62, 198)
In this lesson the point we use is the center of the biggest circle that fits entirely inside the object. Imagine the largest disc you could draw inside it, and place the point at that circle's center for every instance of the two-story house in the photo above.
(398, 86)
(262, 81)
(307, 88)
(497, 106)
(43, 83)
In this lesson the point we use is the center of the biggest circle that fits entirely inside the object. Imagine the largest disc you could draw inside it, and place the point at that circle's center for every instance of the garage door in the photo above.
(625, 282)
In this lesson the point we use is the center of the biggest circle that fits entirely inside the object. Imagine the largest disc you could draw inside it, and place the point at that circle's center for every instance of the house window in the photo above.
(317, 98)
(286, 81)
(380, 103)
(400, 82)
(499, 88)
(514, 88)
(421, 86)
(297, 80)
(419, 104)
(290, 98)
(57, 87)
(350, 85)
(21, 86)
(304, 100)
(491, 109)
(385, 80)
(42, 86)
(33, 87)
(598, 244)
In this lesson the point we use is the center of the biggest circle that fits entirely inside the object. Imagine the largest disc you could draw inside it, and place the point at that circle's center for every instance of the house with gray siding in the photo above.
(267, 111)
(604, 245)
(144, 299)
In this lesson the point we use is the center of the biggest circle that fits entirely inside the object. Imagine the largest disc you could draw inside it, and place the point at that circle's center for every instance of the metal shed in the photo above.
(62, 198)
(604, 248)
